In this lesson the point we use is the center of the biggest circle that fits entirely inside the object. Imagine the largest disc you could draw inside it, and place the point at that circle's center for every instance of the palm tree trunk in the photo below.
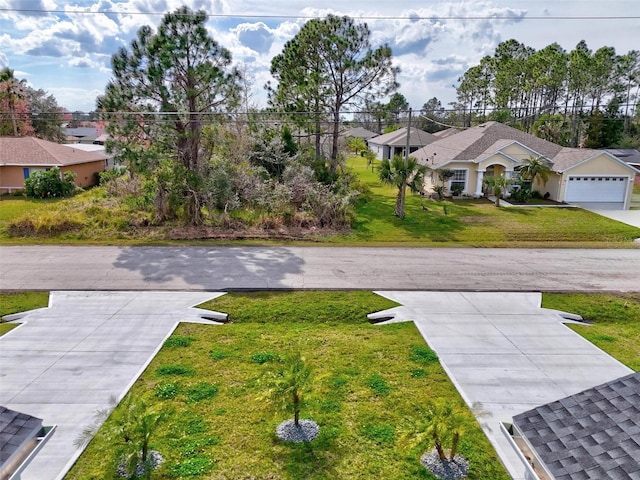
(440, 451)
(454, 445)
(400, 202)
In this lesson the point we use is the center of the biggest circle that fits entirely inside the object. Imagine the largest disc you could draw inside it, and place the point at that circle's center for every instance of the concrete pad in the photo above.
(66, 361)
(505, 354)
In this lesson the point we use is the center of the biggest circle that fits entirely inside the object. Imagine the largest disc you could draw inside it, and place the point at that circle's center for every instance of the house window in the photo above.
(459, 180)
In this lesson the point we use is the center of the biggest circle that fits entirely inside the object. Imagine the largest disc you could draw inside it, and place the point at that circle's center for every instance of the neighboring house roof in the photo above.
(16, 430)
(478, 142)
(594, 434)
(627, 155)
(360, 132)
(85, 133)
(35, 152)
(447, 132)
(398, 138)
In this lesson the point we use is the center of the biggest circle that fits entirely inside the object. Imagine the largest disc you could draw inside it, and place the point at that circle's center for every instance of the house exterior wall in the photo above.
(12, 176)
(600, 165)
(86, 172)
(11, 179)
(518, 152)
(552, 186)
(497, 160)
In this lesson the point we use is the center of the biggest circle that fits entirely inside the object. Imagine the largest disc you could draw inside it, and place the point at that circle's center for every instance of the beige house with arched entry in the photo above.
(579, 175)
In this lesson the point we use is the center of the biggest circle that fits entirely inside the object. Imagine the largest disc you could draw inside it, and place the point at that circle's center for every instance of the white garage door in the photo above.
(596, 189)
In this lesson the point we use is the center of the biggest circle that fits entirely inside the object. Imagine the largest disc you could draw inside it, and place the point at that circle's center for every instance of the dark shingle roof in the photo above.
(594, 434)
(398, 138)
(15, 429)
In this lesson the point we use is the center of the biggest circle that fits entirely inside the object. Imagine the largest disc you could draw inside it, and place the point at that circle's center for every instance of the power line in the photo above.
(309, 17)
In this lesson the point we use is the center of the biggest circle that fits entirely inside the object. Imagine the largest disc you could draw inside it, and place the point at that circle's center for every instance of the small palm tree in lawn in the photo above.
(402, 174)
(535, 167)
(130, 428)
(441, 425)
(497, 184)
(287, 385)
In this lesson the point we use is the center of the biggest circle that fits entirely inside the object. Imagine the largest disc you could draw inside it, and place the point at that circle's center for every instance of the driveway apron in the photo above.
(65, 361)
(505, 354)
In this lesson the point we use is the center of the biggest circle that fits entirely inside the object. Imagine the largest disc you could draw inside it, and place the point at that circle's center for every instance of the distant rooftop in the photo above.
(594, 434)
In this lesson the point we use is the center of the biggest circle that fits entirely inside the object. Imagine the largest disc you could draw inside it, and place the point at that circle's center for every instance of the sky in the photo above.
(65, 48)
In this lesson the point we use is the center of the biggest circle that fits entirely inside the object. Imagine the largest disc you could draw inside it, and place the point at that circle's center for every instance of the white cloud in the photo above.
(433, 42)
(83, 99)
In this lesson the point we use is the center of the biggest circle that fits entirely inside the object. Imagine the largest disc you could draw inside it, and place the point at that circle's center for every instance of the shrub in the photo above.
(50, 183)
(456, 190)
(423, 355)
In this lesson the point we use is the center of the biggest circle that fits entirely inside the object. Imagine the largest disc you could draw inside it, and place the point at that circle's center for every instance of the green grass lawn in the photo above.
(368, 382)
(475, 223)
(615, 321)
(466, 223)
(16, 302)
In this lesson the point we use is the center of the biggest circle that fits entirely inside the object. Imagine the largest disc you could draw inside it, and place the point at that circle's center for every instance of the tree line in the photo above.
(577, 94)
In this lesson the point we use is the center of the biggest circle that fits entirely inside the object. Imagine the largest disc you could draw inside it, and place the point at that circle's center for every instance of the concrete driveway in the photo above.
(630, 217)
(66, 361)
(505, 354)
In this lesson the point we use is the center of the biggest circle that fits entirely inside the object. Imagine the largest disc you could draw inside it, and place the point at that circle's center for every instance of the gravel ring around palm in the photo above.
(305, 431)
(445, 469)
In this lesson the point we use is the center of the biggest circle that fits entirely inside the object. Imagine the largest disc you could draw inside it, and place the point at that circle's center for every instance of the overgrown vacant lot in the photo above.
(95, 218)
(369, 380)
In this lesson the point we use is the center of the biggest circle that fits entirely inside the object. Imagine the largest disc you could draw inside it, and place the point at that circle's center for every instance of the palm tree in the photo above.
(402, 174)
(130, 426)
(288, 384)
(497, 184)
(12, 89)
(535, 167)
(441, 424)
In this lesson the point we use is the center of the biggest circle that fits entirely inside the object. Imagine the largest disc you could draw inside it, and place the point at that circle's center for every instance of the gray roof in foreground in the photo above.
(594, 434)
(15, 429)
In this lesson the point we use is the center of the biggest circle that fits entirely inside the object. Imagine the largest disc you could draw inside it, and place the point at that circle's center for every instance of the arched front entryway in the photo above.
(495, 169)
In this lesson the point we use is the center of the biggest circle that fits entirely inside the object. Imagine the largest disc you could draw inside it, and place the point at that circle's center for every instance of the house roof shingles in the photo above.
(398, 138)
(31, 151)
(594, 434)
(472, 143)
(360, 132)
(15, 429)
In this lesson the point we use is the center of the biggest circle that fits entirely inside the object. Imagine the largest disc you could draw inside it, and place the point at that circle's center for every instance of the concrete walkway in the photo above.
(505, 354)
(65, 362)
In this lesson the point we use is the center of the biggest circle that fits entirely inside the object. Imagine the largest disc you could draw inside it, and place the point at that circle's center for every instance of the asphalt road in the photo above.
(229, 268)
